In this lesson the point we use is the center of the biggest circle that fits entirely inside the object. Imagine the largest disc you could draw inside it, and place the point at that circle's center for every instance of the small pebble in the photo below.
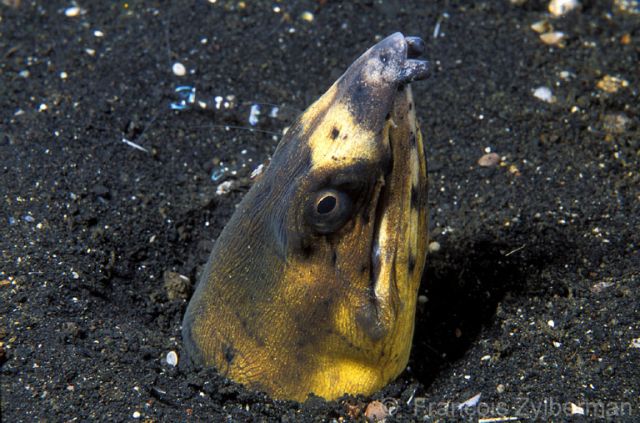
(561, 7)
(554, 38)
(635, 343)
(179, 69)
(513, 169)
(72, 11)
(176, 285)
(376, 411)
(611, 84)
(43, 107)
(422, 299)
(63, 75)
(601, 286)
(434, 247)
(544, 94)
(566, 75)
(489, 160)
(625, 39)
(541, 26)
(172, 358)
(136, 415)
(98, 34)
(628, 6)
(551, 324)
(616, 123)
(500, 388)
(307, 16)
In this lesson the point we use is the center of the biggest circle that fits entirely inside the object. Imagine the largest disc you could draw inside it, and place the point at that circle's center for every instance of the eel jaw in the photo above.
(398, 185)
(394, 233)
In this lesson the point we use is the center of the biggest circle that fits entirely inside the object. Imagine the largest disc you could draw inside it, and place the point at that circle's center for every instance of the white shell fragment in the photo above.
(553, 38)
(541, 26)
(257, 171)
(576, 409)
(544, 94)
(72, 12)
(172, 358)
(224, 188)
(471, 402)
(179, 69)
(254, 114)
(561, 7)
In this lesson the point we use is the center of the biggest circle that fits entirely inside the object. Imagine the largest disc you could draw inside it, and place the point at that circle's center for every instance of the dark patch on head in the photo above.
(367, 319)
(334, 258)
(401, 88)
(367, 103)
(415, 197)
(364, 268)
(306, 250)
(229, 353)
(412, 262)
(410, 105)
(244, 324)
(412, 139)
(334, 133)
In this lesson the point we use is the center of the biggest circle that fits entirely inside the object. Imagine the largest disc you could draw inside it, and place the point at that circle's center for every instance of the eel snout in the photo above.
(370, 83)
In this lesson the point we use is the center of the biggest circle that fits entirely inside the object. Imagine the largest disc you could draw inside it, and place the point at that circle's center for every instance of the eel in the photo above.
(311, 287)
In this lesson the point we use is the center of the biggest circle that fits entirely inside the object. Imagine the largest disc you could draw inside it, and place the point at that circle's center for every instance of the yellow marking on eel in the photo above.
(359, 144)
(312, 285)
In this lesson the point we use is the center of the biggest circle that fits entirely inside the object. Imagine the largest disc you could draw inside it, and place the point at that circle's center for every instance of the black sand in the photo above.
(531, 299)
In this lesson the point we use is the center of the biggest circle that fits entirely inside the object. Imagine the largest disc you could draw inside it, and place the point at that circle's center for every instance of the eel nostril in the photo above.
(415, 46)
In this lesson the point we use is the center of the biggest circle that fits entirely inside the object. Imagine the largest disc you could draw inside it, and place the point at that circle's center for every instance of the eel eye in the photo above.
(329, 210)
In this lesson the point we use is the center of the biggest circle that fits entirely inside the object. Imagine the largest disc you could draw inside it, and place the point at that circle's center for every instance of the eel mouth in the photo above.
(393, 193)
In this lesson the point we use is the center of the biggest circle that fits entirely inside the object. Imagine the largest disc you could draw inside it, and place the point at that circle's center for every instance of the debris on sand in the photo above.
(376, 412)
(559, 8)
(611, 84)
